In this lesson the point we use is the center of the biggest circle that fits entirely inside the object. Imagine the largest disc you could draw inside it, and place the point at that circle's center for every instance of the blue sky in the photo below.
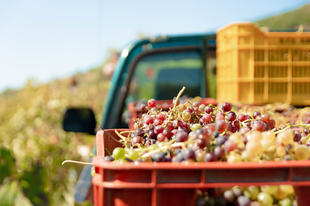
(55, 39)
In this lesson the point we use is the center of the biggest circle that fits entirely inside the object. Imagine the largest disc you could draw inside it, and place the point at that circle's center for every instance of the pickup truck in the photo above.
(150, 68)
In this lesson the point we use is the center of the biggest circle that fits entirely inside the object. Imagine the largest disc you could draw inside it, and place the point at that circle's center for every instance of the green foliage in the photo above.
(7, 164)
(288, 20)
(33, 144)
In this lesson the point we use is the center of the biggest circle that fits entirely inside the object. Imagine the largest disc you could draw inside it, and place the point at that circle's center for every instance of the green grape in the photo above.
(286, 137)
(186, 115)
(289, 189)
(270, 189)
(92, 171)
(280, 194)
(255, 135)
(118, 153)
(132, 154)
(265, 199)
(253, 190)
(267, 143)
(281, 152)
(269, 135)
(194, 127)
(254, 146)
(234, 157)
(286, 202)
(302, 152)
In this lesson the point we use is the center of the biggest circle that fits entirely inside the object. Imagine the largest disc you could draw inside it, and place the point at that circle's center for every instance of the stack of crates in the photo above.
(259, 67)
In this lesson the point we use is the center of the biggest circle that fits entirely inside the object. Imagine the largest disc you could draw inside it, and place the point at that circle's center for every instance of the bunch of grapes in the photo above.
(266, 195)
(195, 132)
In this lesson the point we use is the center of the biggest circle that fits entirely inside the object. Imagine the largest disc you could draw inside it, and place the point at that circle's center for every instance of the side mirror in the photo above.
(79, 120)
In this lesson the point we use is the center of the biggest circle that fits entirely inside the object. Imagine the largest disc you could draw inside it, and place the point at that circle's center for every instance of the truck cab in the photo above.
(152, 68)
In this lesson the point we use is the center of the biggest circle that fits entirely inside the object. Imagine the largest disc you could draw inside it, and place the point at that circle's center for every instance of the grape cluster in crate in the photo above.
(195, 132)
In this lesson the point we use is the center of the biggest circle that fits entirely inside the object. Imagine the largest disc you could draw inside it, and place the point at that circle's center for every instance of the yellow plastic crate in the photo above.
(259, 67)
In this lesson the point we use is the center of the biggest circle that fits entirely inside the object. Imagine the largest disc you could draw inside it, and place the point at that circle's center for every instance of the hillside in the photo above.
(289, 20)
(33, 143)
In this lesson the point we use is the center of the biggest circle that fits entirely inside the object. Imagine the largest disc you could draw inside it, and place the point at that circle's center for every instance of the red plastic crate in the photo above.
(166, 184)
(161, 104)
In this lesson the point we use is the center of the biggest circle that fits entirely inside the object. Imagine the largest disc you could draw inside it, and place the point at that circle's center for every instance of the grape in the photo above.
(258, 125)
(206, 118)
(230, 146)
(269, 135)
(220, 116)
(280, 194)
(265, 117)
(270, 189)
(108, 158)
(218, 152)
(178, 158)
(194, 127)
(160, 116)
(136, 140)
(280, 151)
(161, 137)
(289, 189)
(243, 201)
(254, 147)
(118, 153)
(297, 137)
(253, 191)
(265, 199)
(255, 135)
(181, 136)
(236, 123)
(267, 143)
(202, 107)
(186, 115)
(226, 107)
(132, 154)
(158, 130)
(167, 132)
(158, 121)
(209, 157)
(256, 114)
(301, 152)
(231, 116)
(286, 202)
(158, 157)
(286, 137)
(139, 132)
(234, 157)
(202, 143)
(229, 196)
(221, 140)
(148, 120)
(241, 117)
(208, 109)
(189, 154)
(272, 123)
(220, 126)
(152, 103)
(152, 134)
(237, 192)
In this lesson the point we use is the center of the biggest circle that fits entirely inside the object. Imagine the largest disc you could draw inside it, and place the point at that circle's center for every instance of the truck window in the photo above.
(161, 76)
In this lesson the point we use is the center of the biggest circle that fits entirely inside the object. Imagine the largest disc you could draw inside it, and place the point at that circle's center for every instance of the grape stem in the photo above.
(77, 162)
(178, 97)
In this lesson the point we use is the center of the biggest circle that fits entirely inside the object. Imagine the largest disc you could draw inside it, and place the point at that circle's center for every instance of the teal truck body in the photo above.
(150, 68)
